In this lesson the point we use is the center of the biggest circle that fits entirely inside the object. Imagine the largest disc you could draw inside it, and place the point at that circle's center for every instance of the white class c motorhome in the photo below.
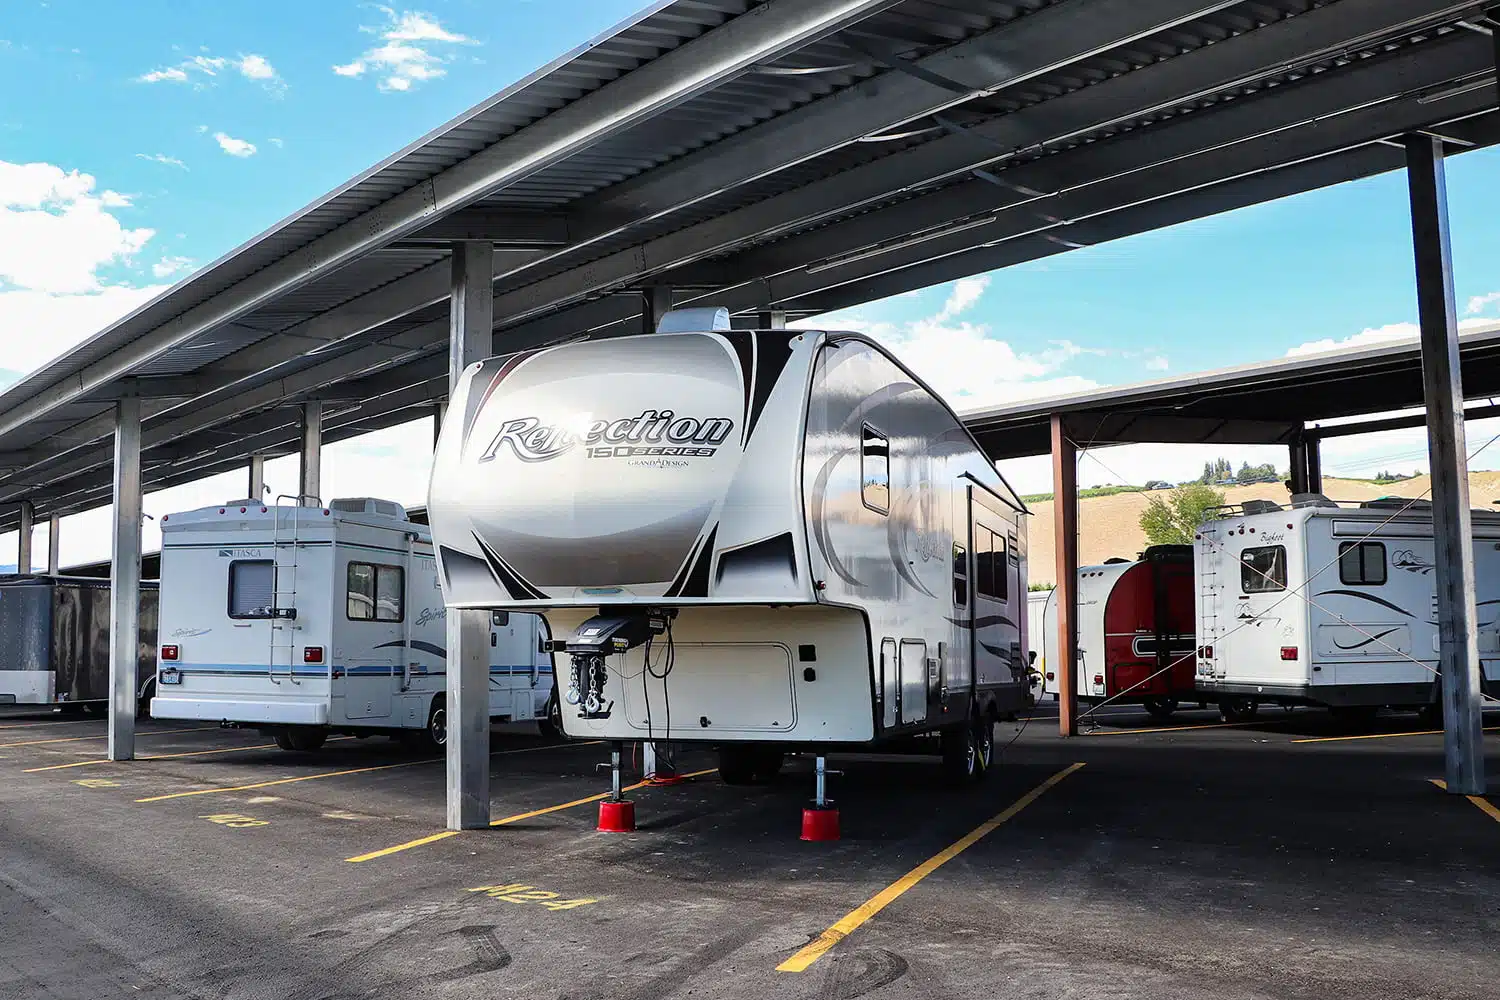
(309, 620)
(763, 541)
(1328, 605)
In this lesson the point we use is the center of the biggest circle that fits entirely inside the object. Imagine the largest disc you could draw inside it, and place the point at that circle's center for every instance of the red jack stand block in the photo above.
(616, 817)
(820, 823)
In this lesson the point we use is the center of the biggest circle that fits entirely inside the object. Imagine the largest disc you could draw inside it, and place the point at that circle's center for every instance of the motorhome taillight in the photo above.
(1098, 680)
(1288, 652)
(312, 654)
(169, 652)
(1207, 652)
(1051, 676)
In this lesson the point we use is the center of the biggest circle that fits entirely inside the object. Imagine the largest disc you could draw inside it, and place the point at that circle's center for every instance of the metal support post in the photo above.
(125, 581)
(616, 789)
(657, 302)
(54, 540)
(1297, 460)
(656, 759)
(439, 411)
(257, 477)
(471, 329)
(1453, 534)
(1065, 545)
(310, 480)
(770, 319)
(820, 788)
(23, 537)
(1314, 450)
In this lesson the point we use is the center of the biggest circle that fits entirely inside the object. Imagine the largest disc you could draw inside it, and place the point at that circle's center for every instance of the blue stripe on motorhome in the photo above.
(361, 671)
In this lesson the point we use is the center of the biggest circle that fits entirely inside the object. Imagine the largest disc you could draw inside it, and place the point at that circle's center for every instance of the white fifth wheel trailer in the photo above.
(763, 541)
(1328, 605)
(304, 621)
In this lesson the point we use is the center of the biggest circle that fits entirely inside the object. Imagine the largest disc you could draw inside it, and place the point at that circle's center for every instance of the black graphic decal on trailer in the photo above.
(512, 581)
(1365, 642)
(420, 645)
(1367, 597)
(693, 580)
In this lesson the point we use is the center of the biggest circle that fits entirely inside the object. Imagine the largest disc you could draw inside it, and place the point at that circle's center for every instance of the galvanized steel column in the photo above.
(125, 580)
(310, 480)
(257, 478)
(439, 411)
(1313, 448)
(23, 537)
(1065, 547)
(1297, 460)
(771, 319)
(1453, 533)
(54, 550)
(470, 339)
(657, 303)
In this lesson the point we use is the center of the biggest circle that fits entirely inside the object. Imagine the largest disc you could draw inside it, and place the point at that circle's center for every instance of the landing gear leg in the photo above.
(820, 821)
(616, 813)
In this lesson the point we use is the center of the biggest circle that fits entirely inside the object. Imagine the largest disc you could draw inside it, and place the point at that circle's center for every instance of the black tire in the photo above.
(960, 753)
(1431, 715)
(301, 739)
(984, 747)
(434, 737)
(143, 703)
(1238, 708)
(551, 723)
(97, 709)
(1160, 708)
(72, 709)
(742, 765)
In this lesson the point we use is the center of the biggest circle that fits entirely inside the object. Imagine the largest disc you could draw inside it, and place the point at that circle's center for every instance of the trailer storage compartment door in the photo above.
(747, 684)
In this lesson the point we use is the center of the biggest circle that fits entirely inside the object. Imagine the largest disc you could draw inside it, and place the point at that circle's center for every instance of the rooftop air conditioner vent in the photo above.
(368, 505)
(1261, 506)
(694, 320)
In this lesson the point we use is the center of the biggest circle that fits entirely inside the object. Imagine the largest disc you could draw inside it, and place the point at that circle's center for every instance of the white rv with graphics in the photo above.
(762, 541)
(1327, 605)
(305, 621)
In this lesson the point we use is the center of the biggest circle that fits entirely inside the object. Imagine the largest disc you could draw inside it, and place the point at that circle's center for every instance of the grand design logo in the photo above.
(652, 433)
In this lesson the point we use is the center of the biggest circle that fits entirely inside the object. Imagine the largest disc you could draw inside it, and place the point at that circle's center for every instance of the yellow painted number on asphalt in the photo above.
(519, 893)
(97, 783)
(235, 820)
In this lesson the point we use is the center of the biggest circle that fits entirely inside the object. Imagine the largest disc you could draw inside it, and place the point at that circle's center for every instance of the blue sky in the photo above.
(155, 136)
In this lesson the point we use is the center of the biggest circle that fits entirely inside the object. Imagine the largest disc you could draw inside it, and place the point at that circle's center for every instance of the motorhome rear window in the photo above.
(252, 584)
(376, 593)
(1263, 570)
(875, 471)
(1362, 563)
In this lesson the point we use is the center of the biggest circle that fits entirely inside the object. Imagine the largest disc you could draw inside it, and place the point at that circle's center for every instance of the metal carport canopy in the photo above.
(1268, 403)
(801, 155)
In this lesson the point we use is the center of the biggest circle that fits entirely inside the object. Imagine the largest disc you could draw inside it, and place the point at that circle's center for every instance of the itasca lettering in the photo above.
(652, 433)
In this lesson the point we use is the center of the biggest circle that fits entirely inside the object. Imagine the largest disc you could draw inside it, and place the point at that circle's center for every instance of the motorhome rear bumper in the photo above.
(286, 713)
(1332, 695)
(26, 687)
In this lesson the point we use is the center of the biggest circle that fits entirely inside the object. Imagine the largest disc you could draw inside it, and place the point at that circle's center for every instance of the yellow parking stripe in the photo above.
(1382, 736)
(1485, 805)
(1166, 729)
(434, 838)
(857, 917)
(100, 736)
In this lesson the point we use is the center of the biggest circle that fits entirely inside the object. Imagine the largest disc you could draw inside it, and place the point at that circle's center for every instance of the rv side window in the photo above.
(1263, 570)
(251, 588)
(960, 575)
(1362, 563)
(989, 555)
(875, 471)
(375, 593)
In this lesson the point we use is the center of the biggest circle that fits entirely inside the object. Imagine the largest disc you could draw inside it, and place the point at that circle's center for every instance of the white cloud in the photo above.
(168, 266)
(404, 57)
(1388, 334)
(56, 233)
(234, 147)
(1157, 364)
(170, 161)
(1479, 303)
(194, 70)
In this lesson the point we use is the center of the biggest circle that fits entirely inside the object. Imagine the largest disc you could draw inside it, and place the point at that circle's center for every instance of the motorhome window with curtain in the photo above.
(251, 588)
(375, 593)
(875, 471)
(1362, 563)
(1263, 570)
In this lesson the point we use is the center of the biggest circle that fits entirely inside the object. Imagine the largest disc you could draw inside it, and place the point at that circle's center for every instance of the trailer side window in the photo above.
(875, 471)
(1263, 570)
(252, 584)
(375, 593)
(1362, 563)
(960, 575)
(989, 555)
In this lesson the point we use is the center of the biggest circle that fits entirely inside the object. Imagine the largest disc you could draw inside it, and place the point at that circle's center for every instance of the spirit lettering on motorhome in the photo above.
(653, 432)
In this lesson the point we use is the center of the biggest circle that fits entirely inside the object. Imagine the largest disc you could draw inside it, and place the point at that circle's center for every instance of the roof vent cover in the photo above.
(368, 505)
(694, 320)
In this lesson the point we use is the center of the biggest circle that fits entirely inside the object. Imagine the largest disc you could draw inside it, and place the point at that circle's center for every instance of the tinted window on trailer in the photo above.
(252, 585)
(375, 593)
(875, 471)
(990, 576)
(1362, 563)
(960, 575)
(1263, 570)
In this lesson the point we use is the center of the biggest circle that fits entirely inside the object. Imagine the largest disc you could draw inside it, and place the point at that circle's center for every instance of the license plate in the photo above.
(170, 675)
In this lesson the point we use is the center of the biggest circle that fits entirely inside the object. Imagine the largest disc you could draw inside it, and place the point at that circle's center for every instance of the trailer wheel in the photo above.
(300, 739)
(984, 745)
(1160, 708)
(1238, 709)
(960, 753)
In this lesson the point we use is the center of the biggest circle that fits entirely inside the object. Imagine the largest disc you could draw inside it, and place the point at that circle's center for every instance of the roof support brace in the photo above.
(1453, 531)
(310, 481)
(23, 537)
(125, 581)
(470, 338)
(657, 303)
(54, 551)
(1065, 545)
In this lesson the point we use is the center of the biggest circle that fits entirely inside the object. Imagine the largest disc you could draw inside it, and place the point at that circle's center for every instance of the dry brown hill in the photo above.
(1111, 526)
